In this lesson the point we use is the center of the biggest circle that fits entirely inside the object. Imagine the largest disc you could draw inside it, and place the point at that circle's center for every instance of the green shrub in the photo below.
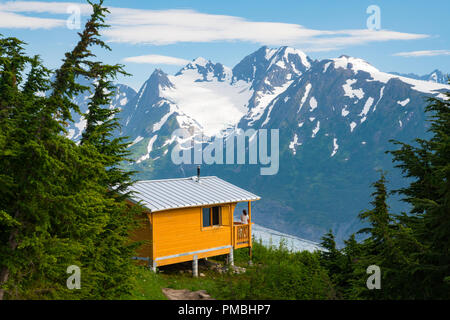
(278, 273)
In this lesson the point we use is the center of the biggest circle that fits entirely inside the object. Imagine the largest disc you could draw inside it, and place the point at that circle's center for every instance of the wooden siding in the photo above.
(180, 231)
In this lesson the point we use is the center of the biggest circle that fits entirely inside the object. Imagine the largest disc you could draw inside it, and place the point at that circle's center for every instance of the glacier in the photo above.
(273, 238)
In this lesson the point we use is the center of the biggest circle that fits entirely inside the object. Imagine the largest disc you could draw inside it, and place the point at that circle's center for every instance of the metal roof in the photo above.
(158, 195)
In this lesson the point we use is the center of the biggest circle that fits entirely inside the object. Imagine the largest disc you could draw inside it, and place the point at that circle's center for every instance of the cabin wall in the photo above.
(181, 231)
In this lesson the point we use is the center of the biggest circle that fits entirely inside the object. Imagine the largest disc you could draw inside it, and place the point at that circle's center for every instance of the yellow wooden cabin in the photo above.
(189, 219)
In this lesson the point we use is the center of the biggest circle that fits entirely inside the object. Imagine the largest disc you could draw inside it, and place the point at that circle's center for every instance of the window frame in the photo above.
(211, 219)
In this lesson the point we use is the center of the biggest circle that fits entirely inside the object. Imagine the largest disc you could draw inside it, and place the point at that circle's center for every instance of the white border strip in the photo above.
(193, 253)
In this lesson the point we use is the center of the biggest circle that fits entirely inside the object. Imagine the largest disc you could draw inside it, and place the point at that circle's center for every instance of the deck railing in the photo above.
(241, 234)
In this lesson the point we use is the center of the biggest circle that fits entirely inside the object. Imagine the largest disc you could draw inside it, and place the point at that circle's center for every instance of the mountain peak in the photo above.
(280, 52)
(355, 64)
(285, 52)
(267, 52)
(200, 61)
(436, 76)
(159, 77)
(157, 81)
(158, 73)
(197, 63)
(205, 70)
(264, 61)
(291, 50)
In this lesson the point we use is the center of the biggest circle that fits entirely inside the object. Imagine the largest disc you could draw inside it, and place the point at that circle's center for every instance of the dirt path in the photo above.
(185, 294)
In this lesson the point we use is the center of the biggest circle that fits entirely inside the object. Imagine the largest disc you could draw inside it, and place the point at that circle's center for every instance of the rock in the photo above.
(238, 270)
(221, 270)
(184, 294)
(210, 264)
(202, 274)
(203, 294)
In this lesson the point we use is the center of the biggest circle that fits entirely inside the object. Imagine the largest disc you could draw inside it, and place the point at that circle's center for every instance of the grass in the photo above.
(276, 273)
(148, 285)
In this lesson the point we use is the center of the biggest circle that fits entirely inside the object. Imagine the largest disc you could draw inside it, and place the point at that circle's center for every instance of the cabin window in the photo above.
(215, 215)
(206, 217)
(211, 216)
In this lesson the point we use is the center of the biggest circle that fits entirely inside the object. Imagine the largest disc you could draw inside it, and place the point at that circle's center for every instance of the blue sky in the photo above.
(413, 35)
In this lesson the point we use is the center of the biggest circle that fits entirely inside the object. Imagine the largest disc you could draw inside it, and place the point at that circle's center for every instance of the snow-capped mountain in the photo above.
(335, 119)
(213, 97)
(270, 72)
(434, 76)
(350, 90)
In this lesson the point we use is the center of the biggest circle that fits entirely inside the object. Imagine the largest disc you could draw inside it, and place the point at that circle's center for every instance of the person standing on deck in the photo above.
(244, 217)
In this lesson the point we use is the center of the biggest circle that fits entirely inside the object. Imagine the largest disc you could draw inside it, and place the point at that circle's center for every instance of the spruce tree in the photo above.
(32, 165)
(101, 121)
(330, 256)
(377, 247)
(388, 245)
(340, 263)
(332, 259)
(56, 207)
(427, 164)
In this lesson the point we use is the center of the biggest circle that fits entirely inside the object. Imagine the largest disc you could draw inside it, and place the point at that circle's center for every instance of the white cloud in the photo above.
(13, 20)
(157, 59)
(423, 53)
(173, 26)
(44, 7)
(9, 17)
(162, 27)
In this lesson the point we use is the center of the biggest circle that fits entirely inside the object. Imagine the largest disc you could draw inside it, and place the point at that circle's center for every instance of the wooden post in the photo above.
(231, 224)
(231, 257)
(250, 229)
(152, 232)
(195, 266)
